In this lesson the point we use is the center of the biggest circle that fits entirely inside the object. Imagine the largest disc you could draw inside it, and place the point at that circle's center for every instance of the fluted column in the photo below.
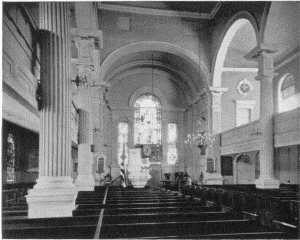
(264, 54)
(54, 194)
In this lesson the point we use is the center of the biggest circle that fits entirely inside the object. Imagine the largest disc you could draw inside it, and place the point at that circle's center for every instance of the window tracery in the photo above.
(147, 123)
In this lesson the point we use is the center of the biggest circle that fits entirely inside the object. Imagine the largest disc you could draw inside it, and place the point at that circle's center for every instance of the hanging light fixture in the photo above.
(201, 138)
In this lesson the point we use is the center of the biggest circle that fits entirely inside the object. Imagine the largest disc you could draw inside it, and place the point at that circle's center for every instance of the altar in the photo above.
(138, 168)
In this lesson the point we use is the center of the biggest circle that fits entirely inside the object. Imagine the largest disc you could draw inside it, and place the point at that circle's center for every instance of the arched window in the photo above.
(11, 158)
(287, 99)
(147, 120)
(288, 87)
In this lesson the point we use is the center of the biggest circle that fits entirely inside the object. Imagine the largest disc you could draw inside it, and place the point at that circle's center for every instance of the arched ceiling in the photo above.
(243, 42)
(282, 26)
(176, 61)
(174, 65)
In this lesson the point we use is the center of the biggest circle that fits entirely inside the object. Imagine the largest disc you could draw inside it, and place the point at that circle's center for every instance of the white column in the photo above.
(85, 180)
(54, 194)
(216, 115)
(99, 101)
(89, 41)
(264, 54)
(216, 108)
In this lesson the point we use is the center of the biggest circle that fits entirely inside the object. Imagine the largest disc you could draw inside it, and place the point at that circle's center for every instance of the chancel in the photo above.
(147, 119)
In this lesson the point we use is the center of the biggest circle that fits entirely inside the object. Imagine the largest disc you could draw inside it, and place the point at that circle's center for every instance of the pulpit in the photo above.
(138, 168)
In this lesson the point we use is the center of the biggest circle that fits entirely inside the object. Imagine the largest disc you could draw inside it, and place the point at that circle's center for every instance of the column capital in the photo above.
(216, 96)
(262, 48)
(264, 54)
(88, 34)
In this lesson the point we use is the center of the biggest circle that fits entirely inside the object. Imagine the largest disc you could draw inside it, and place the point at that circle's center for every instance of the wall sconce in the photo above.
(81, 81)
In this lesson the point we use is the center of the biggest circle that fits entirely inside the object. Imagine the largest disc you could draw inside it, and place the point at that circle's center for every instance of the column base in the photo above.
(267, 183)
(85, 182)
(52, 197)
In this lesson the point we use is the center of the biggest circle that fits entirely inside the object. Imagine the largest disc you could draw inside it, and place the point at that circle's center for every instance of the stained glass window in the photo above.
(11, 155)
(123, 142)
(172, 140)
(147, 124)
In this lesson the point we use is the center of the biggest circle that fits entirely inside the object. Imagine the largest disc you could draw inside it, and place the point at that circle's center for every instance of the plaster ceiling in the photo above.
(242, 43)
(186, 6)
(167, 62)
(282, 27)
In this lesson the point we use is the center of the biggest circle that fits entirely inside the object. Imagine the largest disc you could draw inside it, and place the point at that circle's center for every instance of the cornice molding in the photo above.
(287, 60)
(236, 69)
(159, 12)
(166, 109)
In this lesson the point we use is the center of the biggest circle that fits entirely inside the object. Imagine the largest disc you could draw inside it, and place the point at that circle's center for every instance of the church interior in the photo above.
(150, 119)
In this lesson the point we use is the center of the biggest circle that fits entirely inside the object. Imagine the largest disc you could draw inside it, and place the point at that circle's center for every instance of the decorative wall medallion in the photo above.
(244, 87)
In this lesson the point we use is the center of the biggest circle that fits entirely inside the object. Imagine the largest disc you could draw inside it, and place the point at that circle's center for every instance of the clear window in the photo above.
(287, 98)
(172, 140)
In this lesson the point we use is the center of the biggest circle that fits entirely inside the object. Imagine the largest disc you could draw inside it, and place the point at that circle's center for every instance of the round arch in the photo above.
(233, 25)
(235, 170)
(155, 46)
(186, 90)
(148, 90)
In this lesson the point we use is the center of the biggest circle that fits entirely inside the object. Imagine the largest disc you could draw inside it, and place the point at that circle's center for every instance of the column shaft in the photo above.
(55, 144)
(85, 180)
(54, 194)
(264, 53)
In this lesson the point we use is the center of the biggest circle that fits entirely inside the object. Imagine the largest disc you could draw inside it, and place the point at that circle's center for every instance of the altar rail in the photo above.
(245, 138)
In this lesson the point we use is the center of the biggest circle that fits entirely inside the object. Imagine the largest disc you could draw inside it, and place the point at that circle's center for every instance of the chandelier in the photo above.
(200, 138)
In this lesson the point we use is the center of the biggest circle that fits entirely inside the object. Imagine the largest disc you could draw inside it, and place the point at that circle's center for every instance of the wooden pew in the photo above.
(77, 227)
(189, 229)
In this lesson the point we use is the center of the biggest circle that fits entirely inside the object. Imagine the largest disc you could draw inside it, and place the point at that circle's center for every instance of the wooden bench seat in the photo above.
(180, 228)
(49, 232)
(161, 209)
(22, 223)
(165, 217)
(112, 201)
